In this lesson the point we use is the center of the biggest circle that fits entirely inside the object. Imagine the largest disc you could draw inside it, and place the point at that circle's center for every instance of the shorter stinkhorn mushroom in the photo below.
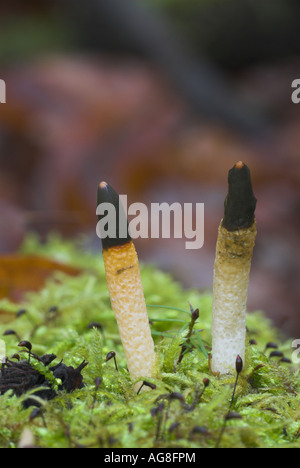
(236, 238)
(125, 288)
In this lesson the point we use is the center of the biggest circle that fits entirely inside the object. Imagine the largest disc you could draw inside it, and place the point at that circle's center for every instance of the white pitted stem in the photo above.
(231, 273)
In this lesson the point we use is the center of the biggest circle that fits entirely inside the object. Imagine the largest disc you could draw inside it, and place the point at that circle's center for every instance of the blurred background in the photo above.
(160, 98)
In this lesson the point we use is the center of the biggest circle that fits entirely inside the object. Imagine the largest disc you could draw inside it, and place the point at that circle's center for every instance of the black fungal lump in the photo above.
(21, 376)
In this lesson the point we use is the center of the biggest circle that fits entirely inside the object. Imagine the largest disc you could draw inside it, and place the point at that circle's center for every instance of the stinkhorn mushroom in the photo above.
(235, 242)
(125, 288)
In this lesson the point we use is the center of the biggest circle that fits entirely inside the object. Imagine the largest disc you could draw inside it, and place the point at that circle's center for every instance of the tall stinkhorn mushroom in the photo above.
(236, 238)
(126, 290)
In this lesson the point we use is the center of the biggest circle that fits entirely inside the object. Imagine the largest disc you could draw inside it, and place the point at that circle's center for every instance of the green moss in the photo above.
(57, 320)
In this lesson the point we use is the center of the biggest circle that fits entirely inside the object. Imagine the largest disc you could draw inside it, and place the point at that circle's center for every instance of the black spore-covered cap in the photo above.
(240, 202)
(114, 229)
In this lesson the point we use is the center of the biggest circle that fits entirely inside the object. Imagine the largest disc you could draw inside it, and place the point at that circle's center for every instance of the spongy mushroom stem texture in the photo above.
(230, 285)
(128, 303)
(235, 242)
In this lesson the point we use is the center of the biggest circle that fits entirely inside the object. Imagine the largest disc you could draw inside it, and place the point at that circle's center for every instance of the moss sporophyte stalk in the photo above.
(68, 384)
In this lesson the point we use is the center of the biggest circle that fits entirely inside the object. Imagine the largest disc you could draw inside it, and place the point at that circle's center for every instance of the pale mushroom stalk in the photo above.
(126, 292)
(235, 242)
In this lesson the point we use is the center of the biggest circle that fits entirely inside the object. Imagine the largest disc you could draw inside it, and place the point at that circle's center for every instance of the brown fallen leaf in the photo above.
(22, 273)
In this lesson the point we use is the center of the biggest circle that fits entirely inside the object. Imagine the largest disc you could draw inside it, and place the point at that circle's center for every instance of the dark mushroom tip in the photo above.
(119, 234)
(240, 202)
